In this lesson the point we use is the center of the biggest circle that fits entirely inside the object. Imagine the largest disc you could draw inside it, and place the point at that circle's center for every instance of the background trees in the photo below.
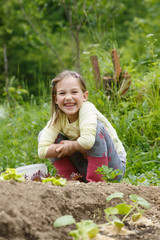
(45, 36)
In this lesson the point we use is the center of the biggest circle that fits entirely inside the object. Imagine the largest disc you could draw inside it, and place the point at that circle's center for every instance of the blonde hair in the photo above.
(58, 78)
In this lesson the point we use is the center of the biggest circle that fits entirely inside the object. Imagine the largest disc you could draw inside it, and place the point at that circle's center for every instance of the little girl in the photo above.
(78, 138)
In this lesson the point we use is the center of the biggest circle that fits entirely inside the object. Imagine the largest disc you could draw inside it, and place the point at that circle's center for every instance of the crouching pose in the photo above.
(78, 138)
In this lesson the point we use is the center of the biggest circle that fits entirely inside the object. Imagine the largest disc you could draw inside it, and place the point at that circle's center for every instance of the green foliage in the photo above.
(140, 201)
(85, 229)
(108, 174)
(11, 173)
(125, 209)
(17, 94)
(54, 35)
(135, 117)
(55, 181)
(20, 127)
(64, 221)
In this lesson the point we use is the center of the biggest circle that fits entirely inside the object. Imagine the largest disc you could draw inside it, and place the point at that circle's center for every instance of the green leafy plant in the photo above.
(55, 181)
(85, 229)
(108, 174)
(11, 173)
(125, 209)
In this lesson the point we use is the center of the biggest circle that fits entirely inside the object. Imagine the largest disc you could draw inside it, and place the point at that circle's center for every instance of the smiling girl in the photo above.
(78, 138)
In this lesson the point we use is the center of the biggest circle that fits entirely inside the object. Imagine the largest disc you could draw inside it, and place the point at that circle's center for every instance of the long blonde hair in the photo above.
(58, 78)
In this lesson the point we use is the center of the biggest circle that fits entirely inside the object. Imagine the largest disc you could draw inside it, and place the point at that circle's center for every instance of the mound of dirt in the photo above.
(28, 210)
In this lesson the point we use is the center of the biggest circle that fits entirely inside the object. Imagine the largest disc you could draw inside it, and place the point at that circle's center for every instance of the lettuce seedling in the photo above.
(11, 173)
(55, 181)
(108, 174)
(64, 221)
(86, 229)
(125, 209)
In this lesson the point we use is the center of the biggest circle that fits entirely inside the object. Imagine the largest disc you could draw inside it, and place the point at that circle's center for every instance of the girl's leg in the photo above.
(68, 165)
(102, 153)
(65, 167)
(75, 162)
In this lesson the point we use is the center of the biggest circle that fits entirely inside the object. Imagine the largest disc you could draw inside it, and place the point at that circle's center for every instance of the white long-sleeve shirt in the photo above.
(83, 130)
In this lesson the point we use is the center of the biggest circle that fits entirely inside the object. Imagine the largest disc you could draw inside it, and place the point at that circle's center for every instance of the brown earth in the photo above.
(28, 210)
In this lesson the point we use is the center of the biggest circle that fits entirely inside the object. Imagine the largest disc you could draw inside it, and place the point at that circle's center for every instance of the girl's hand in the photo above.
(67, 148)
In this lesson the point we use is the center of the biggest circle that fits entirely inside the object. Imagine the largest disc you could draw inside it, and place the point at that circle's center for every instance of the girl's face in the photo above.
(70, 97)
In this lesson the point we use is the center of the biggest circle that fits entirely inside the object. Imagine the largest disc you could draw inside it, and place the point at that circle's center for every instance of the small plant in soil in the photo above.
(124, 209)
(85, 229)
(11, 173)
(108, 174)
(55, 181)
(39, 176)
(75, 177)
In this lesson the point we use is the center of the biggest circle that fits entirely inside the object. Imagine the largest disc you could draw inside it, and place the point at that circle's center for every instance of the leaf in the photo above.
(136, 216)
(133, 197)
(55, 181)
(87, 228)
(123, 208)
(115, 195)
(75, 234)
(93, 231)
(11, 173)
(119, 223)
(111, 210)
(64, 220)
(141, 201)
(101, 103)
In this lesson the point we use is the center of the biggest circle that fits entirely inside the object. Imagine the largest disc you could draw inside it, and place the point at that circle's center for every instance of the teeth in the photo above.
(69, 105)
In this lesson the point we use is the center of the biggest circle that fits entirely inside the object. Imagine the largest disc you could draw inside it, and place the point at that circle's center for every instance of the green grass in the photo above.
(19, 128)
(135, 118)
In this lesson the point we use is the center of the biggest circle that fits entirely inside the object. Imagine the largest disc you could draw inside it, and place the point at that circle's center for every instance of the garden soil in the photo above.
(28, 209)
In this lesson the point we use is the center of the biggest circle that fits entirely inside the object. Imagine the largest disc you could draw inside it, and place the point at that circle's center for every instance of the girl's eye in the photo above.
(61, 93)
(75, 91)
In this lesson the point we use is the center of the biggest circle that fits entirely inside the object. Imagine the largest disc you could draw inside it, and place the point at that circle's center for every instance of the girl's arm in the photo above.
(46, 148)
(51, 152)
(66, 148)
(87, 125)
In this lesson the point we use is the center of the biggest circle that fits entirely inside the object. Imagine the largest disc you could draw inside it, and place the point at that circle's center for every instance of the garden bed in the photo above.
(28, 209)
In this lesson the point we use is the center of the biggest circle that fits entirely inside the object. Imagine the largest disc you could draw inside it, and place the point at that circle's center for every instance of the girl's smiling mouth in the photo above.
(69, 104)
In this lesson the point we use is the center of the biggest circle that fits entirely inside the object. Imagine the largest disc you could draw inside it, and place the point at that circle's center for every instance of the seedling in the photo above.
(11, 173)
(108, 174)
(86, 229)
(125, 209)
(55, 181)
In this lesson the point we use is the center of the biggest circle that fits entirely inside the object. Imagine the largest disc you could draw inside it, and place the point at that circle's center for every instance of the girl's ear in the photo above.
(85, 96)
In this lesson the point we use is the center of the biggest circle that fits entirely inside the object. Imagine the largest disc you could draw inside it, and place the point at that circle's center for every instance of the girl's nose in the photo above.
(68, 96)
